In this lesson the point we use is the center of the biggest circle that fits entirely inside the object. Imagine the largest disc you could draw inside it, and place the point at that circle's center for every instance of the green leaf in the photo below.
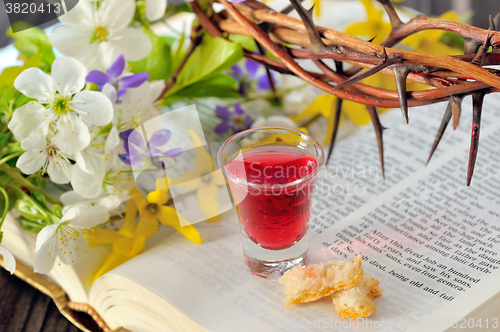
(211, 57)
(30, 225)
(56, 209)
(33, 41)
(40, 198)
(158, 63)
(219, 86)
(29, 210)
(244, 41)
(3, 139)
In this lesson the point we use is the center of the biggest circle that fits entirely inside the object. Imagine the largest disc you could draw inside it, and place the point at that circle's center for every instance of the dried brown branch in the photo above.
(451, 77)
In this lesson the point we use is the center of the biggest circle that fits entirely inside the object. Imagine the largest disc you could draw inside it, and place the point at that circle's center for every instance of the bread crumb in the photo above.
(357, 302)
(306, 284)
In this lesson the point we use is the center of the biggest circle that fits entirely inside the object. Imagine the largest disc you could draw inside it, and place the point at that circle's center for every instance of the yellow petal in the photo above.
(170, 217)
(160, 195)
(321, 105)
(317, 8)
(357, 113)
(218, 178)
(190, 180)
(100, 236)
(207, 195)
(147, 226)
(129, 226)
(202, 160)
(139, 198)
(129, 246)
(111, 261)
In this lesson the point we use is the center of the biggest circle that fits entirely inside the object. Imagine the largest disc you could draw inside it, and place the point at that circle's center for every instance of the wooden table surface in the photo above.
(23, 308)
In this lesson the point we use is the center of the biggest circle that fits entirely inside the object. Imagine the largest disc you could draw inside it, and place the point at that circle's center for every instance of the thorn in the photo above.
(400, 74)
(306, 17)
(336, 121)
(479, 58)
(477, 108)
(393, 15)
(378, 132)
(388, 61)
(310, 10)
(496, 20)
(441, 130)
(492, 25)
(456, 109)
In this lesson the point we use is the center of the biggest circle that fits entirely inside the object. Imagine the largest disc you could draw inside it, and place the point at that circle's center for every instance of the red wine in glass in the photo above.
(274, 205)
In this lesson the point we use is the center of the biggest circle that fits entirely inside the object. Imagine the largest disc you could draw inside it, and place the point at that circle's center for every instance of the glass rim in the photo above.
(320, 158)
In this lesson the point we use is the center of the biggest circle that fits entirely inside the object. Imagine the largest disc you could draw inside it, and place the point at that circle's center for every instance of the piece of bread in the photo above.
(357, 302)
(305, 284)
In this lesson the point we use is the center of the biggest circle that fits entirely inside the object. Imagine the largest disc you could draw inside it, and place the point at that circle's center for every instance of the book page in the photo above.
(354, 175)
(431, 241)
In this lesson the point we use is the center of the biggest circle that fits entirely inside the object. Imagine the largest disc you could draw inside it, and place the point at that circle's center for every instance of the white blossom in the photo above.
(9, 262)
(96, 33)
(61, 107)
(45, 155)
(66, 239)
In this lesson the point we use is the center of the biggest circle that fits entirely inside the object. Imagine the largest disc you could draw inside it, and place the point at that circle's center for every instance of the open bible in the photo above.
(432, 242)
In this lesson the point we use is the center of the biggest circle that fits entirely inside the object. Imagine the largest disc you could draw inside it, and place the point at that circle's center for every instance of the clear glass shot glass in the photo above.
(271, 173)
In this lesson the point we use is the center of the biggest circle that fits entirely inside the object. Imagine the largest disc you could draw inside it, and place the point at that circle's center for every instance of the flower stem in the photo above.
(6, 208)
(12, 156)
(19, 179)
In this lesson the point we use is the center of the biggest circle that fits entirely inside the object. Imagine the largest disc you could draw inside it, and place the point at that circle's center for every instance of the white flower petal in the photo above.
(155, 9)
(91, 217)
(34, 83)
(110, 91)
(133, 44)
(89, 160)
(58, 170)
(117, 13)
(9, 262)
(71, 198)
(85, 184)
(44, 235)
(156, 88)
(80, 16)
(68, 75)
(69, 253)
(96, 107)
(45, 254)
(112, 202)
(75, 212)
(36, 142)
(112, 140)
(70, 41)
(31, 161)
(73, 134)
(30, 119)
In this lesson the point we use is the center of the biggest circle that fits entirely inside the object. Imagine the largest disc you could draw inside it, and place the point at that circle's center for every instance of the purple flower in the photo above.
(137, 150)
(248, 76)
(113, 77)
(237, 120)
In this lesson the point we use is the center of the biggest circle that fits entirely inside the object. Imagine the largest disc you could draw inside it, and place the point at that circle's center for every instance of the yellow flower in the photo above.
(129, 241)
(205, 179)
(153, 209)
(374, 26)
(429, 41)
